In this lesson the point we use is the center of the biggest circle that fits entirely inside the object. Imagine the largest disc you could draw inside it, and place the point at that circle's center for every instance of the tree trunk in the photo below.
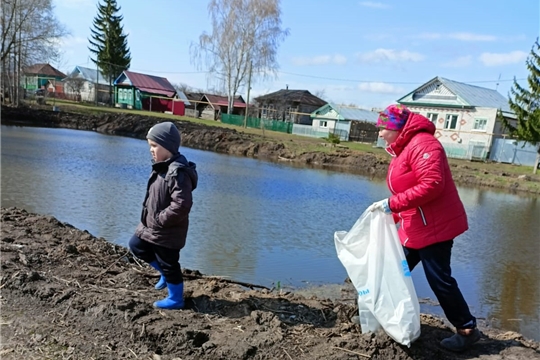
(537, 162)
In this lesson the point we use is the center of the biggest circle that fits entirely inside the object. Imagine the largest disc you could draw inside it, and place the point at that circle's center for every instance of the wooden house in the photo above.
(42, 76)
(293, 106)
(146, 92)
(212, 106)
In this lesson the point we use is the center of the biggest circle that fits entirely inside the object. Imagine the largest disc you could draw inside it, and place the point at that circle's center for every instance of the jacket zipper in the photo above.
(423, 217)
(390, 180)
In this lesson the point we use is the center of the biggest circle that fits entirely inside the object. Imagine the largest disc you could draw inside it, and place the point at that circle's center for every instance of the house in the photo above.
(289, 105)
(146, 92)
(350, 123)
(194, 99)
(212, 106)
(465, 115)
(82, 82)
(41, 76)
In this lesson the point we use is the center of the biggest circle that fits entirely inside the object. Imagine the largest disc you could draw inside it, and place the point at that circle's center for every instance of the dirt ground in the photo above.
(66, 294)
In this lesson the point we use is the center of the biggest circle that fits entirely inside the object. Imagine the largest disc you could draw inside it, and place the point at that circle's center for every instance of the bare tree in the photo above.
(185, 88)
(29, 33)
(75, 84)
(321, 94)
(245, 35)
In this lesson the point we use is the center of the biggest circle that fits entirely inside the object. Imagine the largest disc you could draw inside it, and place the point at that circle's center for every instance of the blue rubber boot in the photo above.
(161, 284)
(175, 300)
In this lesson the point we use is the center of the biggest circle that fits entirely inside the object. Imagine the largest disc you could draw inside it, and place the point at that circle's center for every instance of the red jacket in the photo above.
(424, 196)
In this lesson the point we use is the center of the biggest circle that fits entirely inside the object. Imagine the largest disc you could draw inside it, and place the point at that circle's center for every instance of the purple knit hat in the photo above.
(393, 117)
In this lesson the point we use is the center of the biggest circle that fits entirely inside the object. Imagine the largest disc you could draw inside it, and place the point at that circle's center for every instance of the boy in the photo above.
(162, 231)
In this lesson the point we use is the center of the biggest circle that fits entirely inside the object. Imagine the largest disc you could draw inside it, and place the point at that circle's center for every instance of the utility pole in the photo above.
(248, 89)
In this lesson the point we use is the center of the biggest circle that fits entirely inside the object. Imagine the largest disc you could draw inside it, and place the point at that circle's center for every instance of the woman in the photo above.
(430, 213)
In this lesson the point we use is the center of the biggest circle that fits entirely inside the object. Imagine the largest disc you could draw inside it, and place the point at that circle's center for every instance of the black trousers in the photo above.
(167, 259)
(436, 262)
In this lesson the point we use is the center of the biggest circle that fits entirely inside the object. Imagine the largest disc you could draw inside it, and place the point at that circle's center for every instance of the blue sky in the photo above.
(369, 53)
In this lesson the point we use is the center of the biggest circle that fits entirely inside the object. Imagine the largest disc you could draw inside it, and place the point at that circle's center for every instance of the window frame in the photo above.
(476, 120)
(325, 122)
(429, 116)
(448, 122)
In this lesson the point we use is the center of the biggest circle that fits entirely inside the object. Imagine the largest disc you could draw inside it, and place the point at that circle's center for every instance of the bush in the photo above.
(333, 138)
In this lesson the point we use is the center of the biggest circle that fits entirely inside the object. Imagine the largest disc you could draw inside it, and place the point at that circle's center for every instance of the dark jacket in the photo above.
(168, 201)
(424, 195)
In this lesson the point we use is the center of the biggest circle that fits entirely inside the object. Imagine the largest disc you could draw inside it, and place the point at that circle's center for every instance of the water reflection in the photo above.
(261, 222)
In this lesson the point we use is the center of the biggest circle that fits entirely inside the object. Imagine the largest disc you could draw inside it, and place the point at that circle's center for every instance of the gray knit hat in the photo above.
(165, 134)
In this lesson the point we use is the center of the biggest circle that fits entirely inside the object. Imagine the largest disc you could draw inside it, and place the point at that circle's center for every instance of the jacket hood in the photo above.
(180, 161)
(415, 124)
(190, 168)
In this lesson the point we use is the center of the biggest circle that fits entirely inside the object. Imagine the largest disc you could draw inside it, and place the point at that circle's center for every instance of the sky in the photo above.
(366, 53)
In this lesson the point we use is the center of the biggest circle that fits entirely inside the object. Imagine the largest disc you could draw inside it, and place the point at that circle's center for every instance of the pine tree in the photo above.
(525, 103)
(108, 42)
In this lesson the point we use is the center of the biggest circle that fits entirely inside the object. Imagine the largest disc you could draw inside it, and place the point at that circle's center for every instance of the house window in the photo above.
(450, 122)
(323, 124)
(480, 124)
(432, 117)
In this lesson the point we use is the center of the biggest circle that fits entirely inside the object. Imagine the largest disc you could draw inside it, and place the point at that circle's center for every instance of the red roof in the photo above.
(223, 101)
(151, 84)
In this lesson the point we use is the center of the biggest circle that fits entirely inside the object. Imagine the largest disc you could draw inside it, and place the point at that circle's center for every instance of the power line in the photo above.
(390, 82)
(497, 81)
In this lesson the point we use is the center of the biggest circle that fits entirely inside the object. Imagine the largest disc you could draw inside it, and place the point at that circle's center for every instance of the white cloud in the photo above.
(461, 61)
(380, 88)
(464, 36)
(496, 59)
(375, 5)
(389, 55)
(320, 60)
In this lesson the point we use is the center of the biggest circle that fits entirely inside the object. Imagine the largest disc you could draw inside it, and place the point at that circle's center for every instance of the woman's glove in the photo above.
(380, 205)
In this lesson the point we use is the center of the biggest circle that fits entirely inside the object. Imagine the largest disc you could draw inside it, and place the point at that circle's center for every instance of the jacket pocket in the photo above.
(423, 216)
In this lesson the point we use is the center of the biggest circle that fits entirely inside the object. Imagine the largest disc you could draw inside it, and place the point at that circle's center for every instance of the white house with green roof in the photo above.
(465, 115)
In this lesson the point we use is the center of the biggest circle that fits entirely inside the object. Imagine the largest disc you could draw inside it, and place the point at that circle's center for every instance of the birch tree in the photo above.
(30, 33)
(245, 36)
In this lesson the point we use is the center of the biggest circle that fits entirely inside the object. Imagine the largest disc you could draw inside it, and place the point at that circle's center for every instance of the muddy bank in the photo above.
(196, 136)
(233, 142)
(67, 294)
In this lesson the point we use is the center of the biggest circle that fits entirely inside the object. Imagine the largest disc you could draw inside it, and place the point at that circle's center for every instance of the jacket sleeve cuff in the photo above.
(386, 206)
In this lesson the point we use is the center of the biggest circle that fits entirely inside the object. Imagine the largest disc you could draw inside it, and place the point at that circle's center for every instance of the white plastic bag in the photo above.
(376, 264)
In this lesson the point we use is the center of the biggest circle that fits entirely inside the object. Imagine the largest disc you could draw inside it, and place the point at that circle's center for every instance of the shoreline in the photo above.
(374, 164)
